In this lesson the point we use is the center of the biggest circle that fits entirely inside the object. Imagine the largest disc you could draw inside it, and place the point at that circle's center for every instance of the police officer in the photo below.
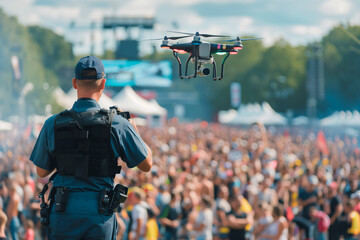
(83, 145)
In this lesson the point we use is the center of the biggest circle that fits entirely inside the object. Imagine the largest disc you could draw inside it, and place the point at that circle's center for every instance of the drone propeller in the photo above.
(199, 34)
(166, 38)
(240, 39)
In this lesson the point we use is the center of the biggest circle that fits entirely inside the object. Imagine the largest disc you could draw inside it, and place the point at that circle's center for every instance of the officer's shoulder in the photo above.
(51, 120)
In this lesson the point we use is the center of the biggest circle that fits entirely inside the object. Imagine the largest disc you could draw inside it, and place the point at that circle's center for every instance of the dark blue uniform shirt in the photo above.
(124, 139)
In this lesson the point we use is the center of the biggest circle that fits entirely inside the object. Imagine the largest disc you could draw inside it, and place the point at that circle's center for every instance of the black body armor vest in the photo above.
(82, 144)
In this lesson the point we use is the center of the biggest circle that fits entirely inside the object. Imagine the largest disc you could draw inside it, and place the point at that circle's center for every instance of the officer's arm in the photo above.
(42, 154)
(146, 165)
(42, 172)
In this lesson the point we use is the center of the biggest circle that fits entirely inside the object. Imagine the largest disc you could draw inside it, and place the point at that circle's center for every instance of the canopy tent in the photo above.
(300, 121)
(62, 98)
(129, 100)
(252, 113)
(342, 119)
(227, 116)
(271, 117)
(5, 126)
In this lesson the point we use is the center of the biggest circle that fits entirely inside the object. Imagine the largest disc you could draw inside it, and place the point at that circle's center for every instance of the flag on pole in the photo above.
(321, 143)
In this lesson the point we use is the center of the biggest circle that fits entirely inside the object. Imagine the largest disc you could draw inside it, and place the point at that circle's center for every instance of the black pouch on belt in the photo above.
(61, 198)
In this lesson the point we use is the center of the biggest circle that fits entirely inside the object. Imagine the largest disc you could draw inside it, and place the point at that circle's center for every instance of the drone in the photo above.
(201, 52)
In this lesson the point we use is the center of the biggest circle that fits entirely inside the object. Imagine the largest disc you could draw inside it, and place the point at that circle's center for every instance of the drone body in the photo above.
(201, 53)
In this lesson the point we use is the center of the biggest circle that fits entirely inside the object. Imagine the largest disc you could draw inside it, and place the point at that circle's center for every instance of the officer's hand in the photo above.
(130, 120)
(116, 107)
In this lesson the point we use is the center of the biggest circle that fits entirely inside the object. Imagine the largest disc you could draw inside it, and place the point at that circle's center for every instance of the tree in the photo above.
(342, 70)
(56, 54)
(40, 64)
(278, 78)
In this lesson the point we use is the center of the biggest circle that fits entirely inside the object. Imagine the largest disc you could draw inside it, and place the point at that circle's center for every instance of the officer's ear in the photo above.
(74, 83)
(102, 85)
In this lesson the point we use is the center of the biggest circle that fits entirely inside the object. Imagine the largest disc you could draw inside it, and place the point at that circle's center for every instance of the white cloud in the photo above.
(59, 30)
(312, 33)
(270, 35)
(191, 21)
(242, 25)
(33, 19)
(355, 19)
(193, 2)
(336, 7)
(97, 14)
(138, 7)
(306, 30)
(22, 13)
(59, 13)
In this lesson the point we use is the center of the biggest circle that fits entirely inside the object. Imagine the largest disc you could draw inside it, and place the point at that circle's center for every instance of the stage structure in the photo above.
(128, 48)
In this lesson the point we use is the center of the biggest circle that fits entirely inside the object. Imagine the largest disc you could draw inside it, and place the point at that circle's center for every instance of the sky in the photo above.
(298, 22)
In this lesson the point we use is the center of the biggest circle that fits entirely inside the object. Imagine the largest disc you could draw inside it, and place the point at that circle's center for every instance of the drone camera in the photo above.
(204, 71)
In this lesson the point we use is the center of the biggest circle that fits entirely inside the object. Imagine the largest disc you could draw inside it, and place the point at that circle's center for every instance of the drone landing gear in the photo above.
(222, 68)
(197, 67)
(186, 67)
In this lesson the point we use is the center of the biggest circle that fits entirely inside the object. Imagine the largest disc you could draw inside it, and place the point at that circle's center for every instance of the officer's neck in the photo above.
(93, 95)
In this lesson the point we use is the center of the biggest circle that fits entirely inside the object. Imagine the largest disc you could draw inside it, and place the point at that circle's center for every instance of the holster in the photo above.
(110, 199)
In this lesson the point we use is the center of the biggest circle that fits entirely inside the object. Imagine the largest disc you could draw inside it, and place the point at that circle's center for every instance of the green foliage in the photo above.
(278, 78)
(56, 54)
(342, 61)
(13, 36)
(266, 74)
(44, 59)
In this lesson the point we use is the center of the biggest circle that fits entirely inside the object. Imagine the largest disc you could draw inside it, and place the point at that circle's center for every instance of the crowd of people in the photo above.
(210, 181)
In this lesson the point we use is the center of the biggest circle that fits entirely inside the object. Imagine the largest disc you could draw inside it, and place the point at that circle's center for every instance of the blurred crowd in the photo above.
(211, 181)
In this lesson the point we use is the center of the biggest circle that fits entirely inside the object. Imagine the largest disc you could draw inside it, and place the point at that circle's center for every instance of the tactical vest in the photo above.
(82, 144)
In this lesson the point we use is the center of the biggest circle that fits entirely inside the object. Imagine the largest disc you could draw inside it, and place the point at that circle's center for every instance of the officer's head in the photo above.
(89, 76)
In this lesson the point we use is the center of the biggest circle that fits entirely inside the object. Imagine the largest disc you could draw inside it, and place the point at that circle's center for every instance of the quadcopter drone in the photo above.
(201, 52)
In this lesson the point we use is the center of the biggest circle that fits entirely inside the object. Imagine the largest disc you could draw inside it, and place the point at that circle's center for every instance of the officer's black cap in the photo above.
(89, 62)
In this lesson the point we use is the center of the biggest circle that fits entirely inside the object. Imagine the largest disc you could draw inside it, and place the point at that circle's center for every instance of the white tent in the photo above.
(227, 116)
(271, 117)
(5, 126)
(248, 114)
(341, 119)
(62, 98)
(129, 100)
(300, 121)
(252, 113)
